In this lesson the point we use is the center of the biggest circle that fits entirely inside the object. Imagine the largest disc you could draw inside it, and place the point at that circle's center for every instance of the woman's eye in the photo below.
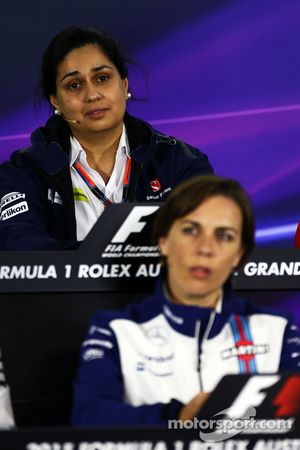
(192, 231)
(74, 86)
(224, 236)
(102, 78)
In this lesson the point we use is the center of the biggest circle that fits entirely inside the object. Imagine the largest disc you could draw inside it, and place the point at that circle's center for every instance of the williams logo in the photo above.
(19, 208)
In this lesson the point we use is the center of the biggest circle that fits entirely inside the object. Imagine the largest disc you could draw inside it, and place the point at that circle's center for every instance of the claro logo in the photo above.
(263, 269)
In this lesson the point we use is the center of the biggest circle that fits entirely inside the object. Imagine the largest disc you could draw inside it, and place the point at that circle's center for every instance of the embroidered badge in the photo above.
(155, 185)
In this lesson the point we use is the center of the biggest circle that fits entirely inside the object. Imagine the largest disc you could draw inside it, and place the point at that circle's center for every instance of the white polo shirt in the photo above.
(88, 207)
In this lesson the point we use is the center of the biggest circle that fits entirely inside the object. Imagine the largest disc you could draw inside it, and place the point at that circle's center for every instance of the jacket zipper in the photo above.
(200, 345)
(198, 364)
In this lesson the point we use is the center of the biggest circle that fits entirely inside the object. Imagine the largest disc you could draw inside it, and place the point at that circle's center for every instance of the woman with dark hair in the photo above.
(91, 152)
(158, 359)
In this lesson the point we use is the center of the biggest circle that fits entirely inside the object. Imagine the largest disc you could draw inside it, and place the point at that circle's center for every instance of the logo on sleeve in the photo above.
(10, 197)
(14, 210)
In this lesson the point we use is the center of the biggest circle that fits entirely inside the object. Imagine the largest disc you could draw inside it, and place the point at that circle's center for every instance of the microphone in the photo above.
(58, 113)
(70, 120)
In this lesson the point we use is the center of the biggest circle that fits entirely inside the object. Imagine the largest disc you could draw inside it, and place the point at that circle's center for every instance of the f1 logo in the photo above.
(286, 400)
(251, 394)
(132, 223)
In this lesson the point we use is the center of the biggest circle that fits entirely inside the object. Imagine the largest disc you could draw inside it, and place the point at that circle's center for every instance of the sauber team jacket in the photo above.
(140, 365)
(36, 197)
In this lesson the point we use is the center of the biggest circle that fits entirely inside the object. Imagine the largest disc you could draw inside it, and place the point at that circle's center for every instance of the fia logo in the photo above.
(155, 185)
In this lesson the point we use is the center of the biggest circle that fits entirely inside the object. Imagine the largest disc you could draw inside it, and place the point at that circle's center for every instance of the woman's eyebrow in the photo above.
(191, 222)
(76, 72)
(228, 228)
(220, 228)
(69, 74)
(104, 66)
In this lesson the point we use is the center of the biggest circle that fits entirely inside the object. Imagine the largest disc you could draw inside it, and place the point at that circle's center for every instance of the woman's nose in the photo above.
(205, 245)
(93, 96)
(93, 93)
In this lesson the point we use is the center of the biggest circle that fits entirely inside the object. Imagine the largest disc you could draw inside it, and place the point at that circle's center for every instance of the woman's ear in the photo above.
(54, 102)
(238, 258)
(125, 81)
(163, 245)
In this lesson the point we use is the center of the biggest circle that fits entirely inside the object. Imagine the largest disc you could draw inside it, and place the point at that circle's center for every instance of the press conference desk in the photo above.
(118, 256)
(138, 439)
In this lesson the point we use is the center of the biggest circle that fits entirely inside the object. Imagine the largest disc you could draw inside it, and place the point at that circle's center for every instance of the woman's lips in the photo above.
(200, 271)
(96, 113)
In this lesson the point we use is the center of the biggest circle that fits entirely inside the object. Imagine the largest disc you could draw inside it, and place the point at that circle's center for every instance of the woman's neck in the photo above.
(101, 151)
(179, 297)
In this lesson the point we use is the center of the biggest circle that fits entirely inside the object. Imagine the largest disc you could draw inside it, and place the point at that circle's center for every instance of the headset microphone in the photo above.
(70, 120)
(58, 113)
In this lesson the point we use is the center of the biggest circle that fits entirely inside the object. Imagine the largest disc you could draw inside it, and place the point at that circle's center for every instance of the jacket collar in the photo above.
(143, 139)
(56, 130)
(184, 318)
(48, 141)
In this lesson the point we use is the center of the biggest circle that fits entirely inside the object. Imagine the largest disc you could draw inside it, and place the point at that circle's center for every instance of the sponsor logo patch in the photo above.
(14, 210)
(155, 185)
(54, 197)
(10, 197)
(93, 353)
(79, 195)
(158, 335)
(159, 195)
(245, 351)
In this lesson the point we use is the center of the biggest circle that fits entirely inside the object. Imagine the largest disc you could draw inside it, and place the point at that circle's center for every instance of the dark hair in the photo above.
(191, 193)
(69, 39)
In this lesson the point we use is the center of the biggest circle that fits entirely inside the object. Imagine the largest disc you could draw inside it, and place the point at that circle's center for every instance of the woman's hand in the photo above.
(191, 409)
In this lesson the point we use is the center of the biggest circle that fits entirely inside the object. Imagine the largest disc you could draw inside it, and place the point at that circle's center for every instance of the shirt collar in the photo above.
(77, 150)
(124, 144)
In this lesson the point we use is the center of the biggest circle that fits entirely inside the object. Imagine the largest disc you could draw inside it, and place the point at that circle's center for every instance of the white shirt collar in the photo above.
(77, 150)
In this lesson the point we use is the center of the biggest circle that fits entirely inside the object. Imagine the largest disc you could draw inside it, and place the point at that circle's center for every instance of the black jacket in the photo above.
(30, 216)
